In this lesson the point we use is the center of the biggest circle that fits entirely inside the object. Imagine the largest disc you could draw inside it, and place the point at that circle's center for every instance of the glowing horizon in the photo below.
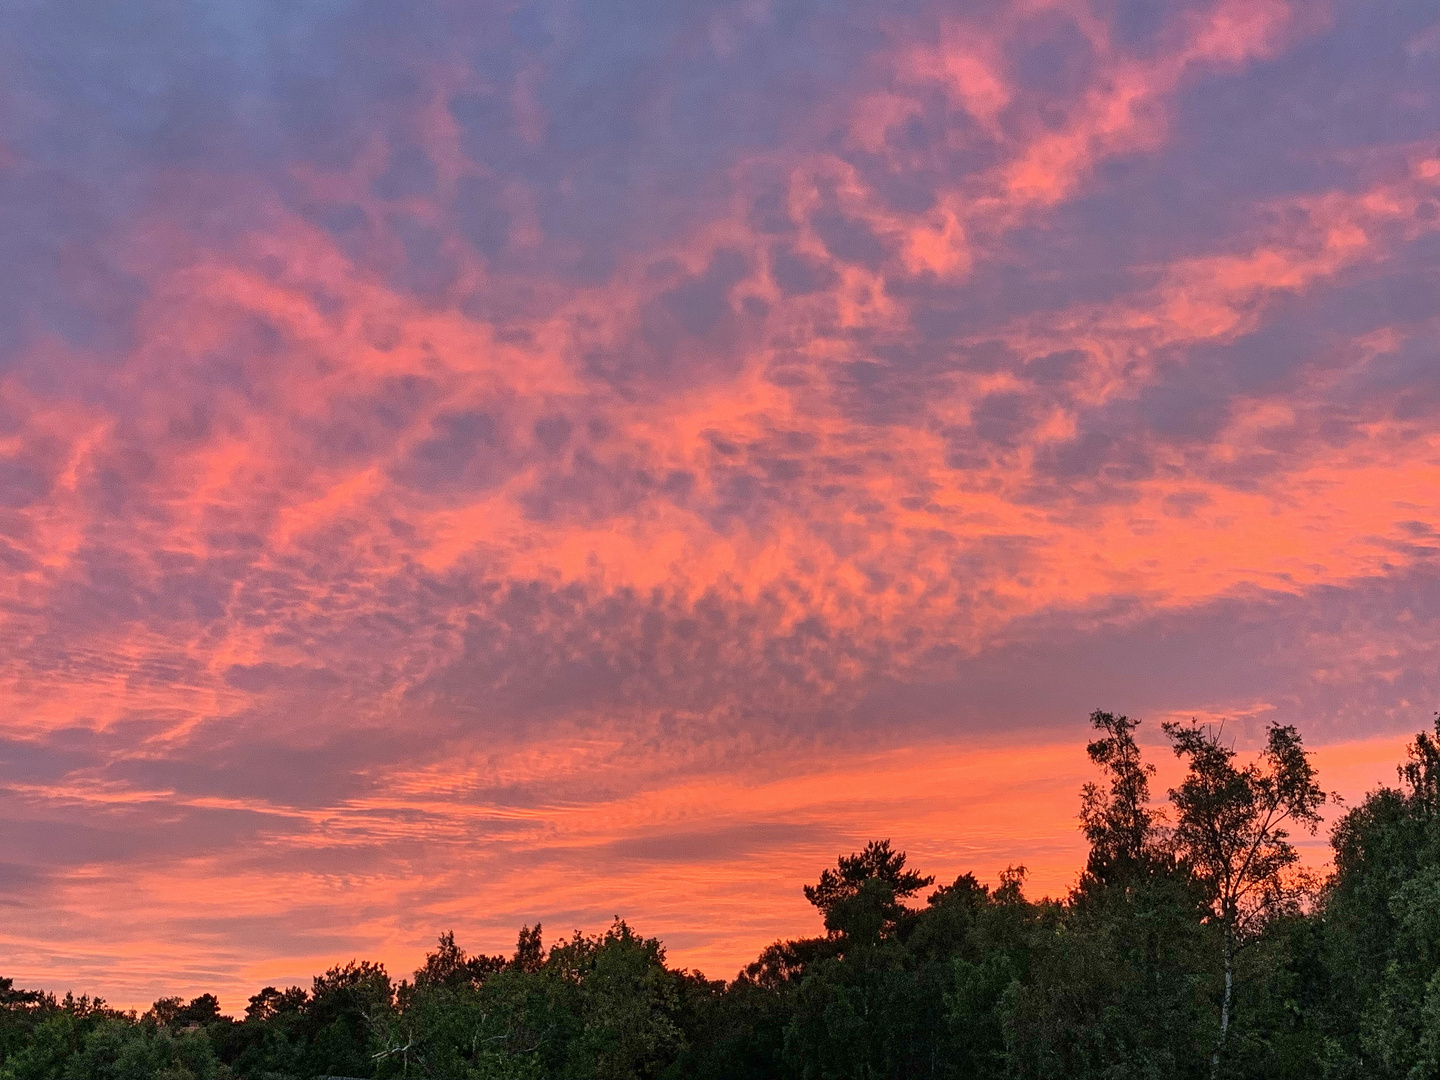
(529, 461)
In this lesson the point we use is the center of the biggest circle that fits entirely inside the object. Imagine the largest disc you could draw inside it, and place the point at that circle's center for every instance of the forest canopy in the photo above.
(1193, 944)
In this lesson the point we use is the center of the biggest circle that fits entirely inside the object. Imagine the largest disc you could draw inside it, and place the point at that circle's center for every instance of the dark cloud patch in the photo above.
(1335, 111)
(47, 760)
(590, 488)
(1003, 419)
(110, 586)
(1139, 23)
(65, 844)
(24, 480)
(1317, 116)
(687, 334)
(1309, 353)
(69, 834)
(850, 239)
(1401, 383)
(639, 654)
(487, 128)
(1057, 368)
(1190, 409)
(699, 303)
(410, 172)
(365, 426)
(768, 210)
(349, 225)
(1285, 651)
(898, 382)
(20, 884)
(431, 267)
(1098, 464)
(269, 677)
(553, 431)
(1183, 504)
(717, 845)
(798, 274)
(58, 270)
(481, 214)
(1037, 273)
(536, 653)
(467, 451)
(251, 758)
(1052, 56)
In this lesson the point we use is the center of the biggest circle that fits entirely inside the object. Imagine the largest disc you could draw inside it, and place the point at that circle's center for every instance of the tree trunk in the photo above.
(1224, 1006)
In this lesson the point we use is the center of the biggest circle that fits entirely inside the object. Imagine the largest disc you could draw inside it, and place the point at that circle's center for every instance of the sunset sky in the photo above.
(464, 464)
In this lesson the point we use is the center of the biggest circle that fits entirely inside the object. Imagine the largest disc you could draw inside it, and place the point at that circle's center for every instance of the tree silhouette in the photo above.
(860, 897)
(1117, 819)
(529, 952)
(449, 965)
(1231, 832)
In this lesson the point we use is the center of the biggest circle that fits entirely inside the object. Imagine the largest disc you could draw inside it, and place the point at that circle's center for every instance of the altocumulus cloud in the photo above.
(515, 461)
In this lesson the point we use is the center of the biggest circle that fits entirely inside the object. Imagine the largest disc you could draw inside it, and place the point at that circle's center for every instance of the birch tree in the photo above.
(1232, 829)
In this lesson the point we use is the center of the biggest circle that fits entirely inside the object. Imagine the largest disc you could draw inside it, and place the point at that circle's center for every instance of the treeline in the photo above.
(1192, 945)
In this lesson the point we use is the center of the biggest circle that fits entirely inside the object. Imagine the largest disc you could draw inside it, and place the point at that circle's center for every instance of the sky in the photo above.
(472, 463)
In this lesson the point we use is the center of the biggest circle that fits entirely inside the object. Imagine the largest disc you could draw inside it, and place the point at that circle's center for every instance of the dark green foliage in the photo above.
(1120, 977)
(20, 1013)
(861, 898)
(1117, 817)
(1119, 985)
(1381, 928)
(449, 966)
(602, 1007)
(80, 1039)
(1188, 948)
(349, 1006)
